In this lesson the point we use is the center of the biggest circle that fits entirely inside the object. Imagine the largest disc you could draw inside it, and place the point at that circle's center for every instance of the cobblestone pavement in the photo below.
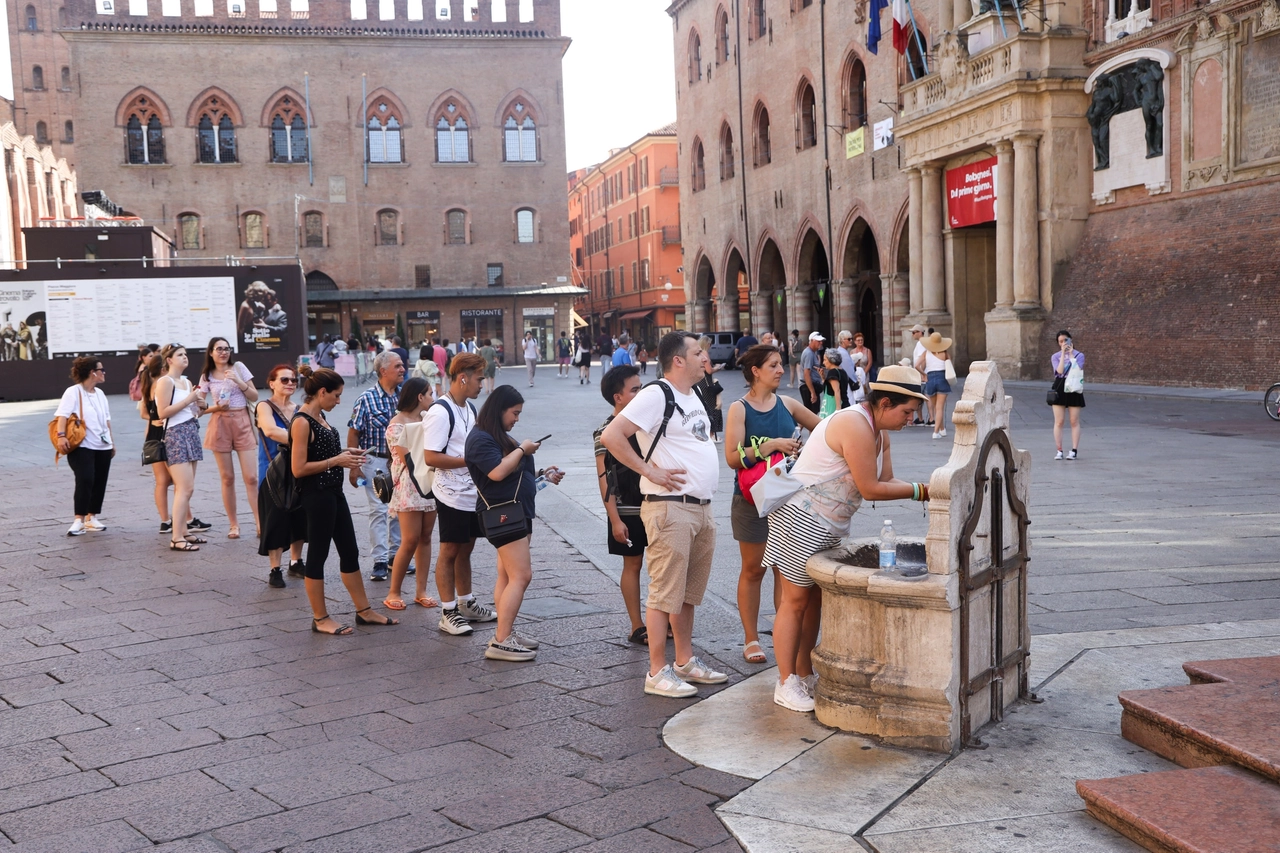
(154, 700)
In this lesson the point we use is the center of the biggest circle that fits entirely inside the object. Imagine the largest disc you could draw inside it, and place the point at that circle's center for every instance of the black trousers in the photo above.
(91, 468)
(329, 520)
(811, 402)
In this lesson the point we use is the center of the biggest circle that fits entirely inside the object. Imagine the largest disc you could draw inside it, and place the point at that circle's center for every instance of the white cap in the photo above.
(816, 336)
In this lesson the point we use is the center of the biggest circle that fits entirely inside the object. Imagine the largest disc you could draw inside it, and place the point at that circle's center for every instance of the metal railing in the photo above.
(670, 234)
(669, 176)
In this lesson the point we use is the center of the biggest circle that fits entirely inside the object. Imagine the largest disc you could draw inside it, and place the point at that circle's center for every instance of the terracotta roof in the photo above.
(665, 130)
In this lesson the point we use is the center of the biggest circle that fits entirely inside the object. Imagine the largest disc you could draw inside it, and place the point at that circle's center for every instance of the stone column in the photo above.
(931, 258)
(727, 314)
(800, 309)
(914, 239)
(946, 20)
(893, 306)
(761, 312)
(1004, 224)
(962, 10)
(845, 294)
(1026, 223)
(701, 315)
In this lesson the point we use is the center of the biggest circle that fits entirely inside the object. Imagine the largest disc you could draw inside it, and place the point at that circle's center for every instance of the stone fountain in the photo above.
(926, 663)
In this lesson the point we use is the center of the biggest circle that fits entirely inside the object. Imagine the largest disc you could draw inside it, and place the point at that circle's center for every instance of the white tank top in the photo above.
(933, 363)
(182, 387)
(830, 495)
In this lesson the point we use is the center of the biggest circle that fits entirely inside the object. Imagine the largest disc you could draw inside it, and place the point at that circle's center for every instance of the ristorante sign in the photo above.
(971, 194)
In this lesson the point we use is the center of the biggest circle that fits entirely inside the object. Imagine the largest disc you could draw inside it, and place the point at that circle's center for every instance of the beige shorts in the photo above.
(682, 540)
(229, 431)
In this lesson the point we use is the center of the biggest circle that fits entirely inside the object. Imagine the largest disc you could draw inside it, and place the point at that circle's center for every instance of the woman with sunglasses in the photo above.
(91, 460)
(180, 404)
(229, 386)
(280, 529)
(155, 432)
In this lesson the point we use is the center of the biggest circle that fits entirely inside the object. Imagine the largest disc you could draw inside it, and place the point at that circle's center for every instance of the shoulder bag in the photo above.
(154, 450)
(1074, 383)
(75, 431)
(499, 521)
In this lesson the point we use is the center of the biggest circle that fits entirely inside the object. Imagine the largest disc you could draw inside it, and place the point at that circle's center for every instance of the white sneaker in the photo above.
(1059, 456)
(453, 622)
(791, 695)
(1072, 456)
(93, 525)
(509, 649)
(667, 683)
(942, 434)
(527, 642)
(810, 683)
(937, 435)
(696, 671)
(76, 529)
(474, 611)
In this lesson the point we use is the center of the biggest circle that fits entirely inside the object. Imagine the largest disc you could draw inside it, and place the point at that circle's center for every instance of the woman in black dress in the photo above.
(316, 453)
(281, 529)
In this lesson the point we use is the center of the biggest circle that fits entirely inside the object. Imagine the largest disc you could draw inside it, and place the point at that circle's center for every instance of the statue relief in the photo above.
(953, 64)
(1268, 18)
(1150, 97)
(1131, 87)
(1105, 104)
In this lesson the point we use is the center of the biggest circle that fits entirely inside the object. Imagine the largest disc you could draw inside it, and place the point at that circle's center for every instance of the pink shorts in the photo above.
(229, 431)
(564, 361)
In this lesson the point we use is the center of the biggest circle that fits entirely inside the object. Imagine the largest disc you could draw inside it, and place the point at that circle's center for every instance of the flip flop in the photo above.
(181, 545)
(757, 656)
(426, 601)
(394, 603)
(196, 540)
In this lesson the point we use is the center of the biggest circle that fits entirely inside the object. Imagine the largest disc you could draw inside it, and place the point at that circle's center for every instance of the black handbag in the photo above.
(153, 450)
(1056, 390)
(382, 486)
(498, 521)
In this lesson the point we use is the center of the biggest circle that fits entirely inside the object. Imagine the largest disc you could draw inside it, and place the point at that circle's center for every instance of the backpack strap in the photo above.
(668, 410)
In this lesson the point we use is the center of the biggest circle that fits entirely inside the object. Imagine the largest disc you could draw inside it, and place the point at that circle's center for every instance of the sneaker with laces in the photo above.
(451, 622)
(509, 649)
(474, 611)
(527, 642)
(810, 684)
(379, 572)
(698, 672)
(77, 528)
(666, 683)
(297, 569)
(1059, 456)
(94, 526)
(166, 528)
(791, 695)
(276, 579)
(197, 524)
(1073, 455)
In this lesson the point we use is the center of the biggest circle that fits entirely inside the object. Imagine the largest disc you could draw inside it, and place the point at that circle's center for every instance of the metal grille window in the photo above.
(457, 227)
(384, 141)
(524, 226)
(189, 230)
(313, 230)
(453, 140)
(493, 272)
(288, 141)
(388, 228)
(520, 136)
(144, 145)
(422, 275)
(37, 77)
(217, 144)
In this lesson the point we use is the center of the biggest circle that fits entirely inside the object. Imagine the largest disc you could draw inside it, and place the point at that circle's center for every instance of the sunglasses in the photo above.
(290, 380)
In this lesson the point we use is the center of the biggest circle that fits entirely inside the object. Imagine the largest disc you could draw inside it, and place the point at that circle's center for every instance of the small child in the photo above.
(642, 356)
(620, 492)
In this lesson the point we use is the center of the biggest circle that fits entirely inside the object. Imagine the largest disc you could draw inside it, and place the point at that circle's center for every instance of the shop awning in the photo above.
(636, 315)
(606, 315)
(576, 319)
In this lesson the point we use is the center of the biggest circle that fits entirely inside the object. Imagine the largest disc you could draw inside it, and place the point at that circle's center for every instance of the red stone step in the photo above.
(1208, 810)
(1229, 714)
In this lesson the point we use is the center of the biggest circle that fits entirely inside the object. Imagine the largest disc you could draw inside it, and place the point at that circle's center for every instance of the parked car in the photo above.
(722, 346)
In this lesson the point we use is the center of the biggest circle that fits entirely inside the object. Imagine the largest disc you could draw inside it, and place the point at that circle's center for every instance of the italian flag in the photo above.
(901, 25)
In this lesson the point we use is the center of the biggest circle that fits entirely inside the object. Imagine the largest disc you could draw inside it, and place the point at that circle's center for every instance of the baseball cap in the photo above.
(816, 336)
(919, 328)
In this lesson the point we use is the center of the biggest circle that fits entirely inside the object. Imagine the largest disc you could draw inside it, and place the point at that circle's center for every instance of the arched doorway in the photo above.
(324, 312)
(814, 271)
(704, 285)
(862, 269)
(773, 279)
(736, 313)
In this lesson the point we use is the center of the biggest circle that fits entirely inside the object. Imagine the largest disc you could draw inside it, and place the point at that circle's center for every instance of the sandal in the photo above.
(340, 631)
(196, 540)
(639, 636)
(394, 603)
(757, 656)
(426, 601)
(182, 545)
(360, 620)
(234, 532)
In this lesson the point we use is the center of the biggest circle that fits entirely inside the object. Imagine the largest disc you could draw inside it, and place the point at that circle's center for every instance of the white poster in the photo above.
(115, 315)
(883, 134)
(23, 329)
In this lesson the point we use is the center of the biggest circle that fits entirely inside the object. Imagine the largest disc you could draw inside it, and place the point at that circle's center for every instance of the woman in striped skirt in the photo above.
(845, 461)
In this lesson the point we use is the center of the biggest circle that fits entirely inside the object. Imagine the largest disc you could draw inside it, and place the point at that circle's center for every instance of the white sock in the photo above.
(448, 605)
(469, 598)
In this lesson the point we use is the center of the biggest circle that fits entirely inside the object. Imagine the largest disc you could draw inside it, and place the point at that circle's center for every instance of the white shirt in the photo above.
(453, 486)
(859, 377)
(686, 443)
(917, 352)
(932, 363)
(531, 348)
(94, 412)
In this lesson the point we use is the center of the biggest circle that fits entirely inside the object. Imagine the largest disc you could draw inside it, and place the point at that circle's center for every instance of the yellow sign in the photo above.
(854, 143)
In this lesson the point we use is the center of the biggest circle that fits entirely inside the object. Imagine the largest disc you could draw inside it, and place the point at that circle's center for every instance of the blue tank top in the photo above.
(267, 448)
(775, 423)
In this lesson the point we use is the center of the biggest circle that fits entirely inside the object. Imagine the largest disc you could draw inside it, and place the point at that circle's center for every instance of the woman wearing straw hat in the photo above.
(933, 364)
(845, 462)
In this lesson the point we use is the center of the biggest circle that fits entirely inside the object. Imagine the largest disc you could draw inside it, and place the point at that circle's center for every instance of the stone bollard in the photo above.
(926, 663)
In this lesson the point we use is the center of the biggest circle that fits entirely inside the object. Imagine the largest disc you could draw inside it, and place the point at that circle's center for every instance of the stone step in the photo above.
(1206, 810)
(1229, 714)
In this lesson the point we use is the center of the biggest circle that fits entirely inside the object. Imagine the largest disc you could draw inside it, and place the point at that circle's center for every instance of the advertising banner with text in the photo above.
(971, 194)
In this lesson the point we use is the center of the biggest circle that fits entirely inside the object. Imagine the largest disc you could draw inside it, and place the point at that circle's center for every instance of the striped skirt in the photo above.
(794, 537)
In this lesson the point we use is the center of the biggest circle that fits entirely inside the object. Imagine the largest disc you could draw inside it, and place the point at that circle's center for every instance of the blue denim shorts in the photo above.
(936, 383)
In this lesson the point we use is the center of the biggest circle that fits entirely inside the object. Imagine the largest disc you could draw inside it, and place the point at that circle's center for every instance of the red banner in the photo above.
(971, 194)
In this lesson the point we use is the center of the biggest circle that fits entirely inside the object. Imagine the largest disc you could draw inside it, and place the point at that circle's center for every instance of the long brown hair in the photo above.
(209, 363)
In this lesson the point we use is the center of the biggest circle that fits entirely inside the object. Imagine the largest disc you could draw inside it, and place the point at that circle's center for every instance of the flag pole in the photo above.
(364, 123)
(924, 55)
(306, 96)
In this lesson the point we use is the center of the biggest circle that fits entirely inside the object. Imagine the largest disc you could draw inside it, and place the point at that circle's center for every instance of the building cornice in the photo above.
(239, 31)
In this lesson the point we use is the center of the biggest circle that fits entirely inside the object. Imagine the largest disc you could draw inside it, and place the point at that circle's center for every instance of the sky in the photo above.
(619, 74)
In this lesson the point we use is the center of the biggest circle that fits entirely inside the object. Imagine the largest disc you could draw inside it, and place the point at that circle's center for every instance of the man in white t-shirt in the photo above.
(531, 355)
(677, 481)
(455, 494)
(917, 356)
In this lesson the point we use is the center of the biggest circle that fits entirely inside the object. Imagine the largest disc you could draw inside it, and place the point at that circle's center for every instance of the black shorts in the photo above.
(635, 532)
(457, 526)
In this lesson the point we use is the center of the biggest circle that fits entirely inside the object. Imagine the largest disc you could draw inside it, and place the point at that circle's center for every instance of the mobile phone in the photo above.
(544, 438)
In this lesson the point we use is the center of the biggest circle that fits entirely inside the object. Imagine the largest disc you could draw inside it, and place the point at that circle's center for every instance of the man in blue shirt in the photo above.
(367, 430)
(622, 355)
(811, 369)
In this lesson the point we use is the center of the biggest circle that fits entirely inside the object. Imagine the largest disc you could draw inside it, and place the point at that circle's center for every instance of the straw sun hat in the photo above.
(936, 343)
(899, 380)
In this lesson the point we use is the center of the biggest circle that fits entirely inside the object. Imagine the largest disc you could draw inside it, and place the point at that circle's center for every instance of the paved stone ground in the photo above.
(174, 700)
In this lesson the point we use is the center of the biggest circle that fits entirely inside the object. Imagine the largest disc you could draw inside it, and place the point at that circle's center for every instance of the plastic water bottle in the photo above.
(888, 547)
(362, 482)
(541, 482)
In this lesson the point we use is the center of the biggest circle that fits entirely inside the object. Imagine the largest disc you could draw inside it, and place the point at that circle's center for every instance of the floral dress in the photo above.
(405, 497)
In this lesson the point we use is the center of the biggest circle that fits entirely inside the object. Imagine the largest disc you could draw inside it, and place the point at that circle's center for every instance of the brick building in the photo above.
(411, 157)
(990, 216)
(624, 236)
(44, 82)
